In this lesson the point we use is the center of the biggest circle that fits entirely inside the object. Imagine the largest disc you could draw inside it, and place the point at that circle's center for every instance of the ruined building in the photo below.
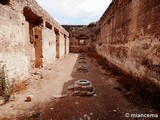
(127, 36)
(120, 51)
(29, 37)
(82, 37)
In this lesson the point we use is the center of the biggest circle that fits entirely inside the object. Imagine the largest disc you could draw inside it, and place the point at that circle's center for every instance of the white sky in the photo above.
(75, 11)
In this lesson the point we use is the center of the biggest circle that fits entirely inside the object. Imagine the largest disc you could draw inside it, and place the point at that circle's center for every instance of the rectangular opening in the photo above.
(57, 42)
(81, 42)
(48, 25)
(65, 44)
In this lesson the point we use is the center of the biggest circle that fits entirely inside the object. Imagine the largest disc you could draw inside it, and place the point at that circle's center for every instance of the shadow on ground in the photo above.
(109, 102)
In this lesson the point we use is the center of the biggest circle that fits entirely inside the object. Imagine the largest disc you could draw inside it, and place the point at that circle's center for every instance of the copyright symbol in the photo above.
(127, 115)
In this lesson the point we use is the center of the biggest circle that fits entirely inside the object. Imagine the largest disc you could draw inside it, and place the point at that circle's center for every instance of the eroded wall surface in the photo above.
(15, 49)
(27, 31)
(129, 37)
(81, 32)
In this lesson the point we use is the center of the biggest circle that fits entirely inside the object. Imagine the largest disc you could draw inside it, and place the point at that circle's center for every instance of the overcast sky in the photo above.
(77, 12)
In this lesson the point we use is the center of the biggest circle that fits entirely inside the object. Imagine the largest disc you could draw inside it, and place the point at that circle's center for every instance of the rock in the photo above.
(1, 102)
(29, 98)
(12, 105)
(91, 114)
(35, 115)
(128, 93)
(35, 73)
(118, 87)
(82, 61)
(71, 87)
(114, 110)
(95, 95)
(60, 96)
(85, 115)
(76, 103)
(88, 118)
(83, 69)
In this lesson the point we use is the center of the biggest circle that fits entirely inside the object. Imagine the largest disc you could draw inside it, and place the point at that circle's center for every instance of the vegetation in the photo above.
(6, 87)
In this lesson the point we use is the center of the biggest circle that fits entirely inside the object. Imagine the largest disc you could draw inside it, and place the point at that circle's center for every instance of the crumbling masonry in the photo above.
(127, 36)
(29, 37)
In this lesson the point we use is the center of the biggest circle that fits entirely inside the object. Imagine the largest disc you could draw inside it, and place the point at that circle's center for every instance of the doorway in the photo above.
(65, 44)
(35, 34)
(38, 46)
(57, 43)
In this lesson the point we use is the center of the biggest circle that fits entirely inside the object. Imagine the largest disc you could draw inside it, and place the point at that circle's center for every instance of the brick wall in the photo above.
(129, 37)
(81, 32)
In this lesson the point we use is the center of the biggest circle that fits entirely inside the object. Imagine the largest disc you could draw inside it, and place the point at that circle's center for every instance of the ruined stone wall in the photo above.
(129, 37)
(19, 42)
(81, 32)
(15, 48)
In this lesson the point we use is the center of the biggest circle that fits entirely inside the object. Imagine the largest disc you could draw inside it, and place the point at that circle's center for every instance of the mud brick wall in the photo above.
(27, 37)
(15, 48)
(81, 32)
(129, 38)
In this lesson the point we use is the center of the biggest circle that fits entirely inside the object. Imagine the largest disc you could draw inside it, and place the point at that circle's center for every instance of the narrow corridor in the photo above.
(52, 100)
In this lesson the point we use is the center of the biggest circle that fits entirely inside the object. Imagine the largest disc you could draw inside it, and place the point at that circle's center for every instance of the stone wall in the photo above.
(84, 33)
(129, 38)
(27, 37)
(15, 48)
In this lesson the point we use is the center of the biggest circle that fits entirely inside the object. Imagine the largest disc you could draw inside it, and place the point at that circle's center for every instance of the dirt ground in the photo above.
(52, 101)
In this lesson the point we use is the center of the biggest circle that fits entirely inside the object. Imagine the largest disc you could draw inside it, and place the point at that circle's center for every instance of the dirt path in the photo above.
(49, 89)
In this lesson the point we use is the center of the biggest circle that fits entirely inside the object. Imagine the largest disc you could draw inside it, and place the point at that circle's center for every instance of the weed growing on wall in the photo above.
(6, 87)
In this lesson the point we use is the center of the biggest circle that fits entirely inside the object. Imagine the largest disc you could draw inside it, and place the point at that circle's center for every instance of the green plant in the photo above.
(7, 88)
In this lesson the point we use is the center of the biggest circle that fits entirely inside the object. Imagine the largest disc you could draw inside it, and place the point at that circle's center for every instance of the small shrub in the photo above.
(7, 88)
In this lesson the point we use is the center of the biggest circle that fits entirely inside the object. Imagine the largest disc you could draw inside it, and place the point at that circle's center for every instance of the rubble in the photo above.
(82, 61)
(29, 98)
(83, 69)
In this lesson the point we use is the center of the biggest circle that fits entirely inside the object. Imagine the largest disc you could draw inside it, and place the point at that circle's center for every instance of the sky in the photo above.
(75, 12)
